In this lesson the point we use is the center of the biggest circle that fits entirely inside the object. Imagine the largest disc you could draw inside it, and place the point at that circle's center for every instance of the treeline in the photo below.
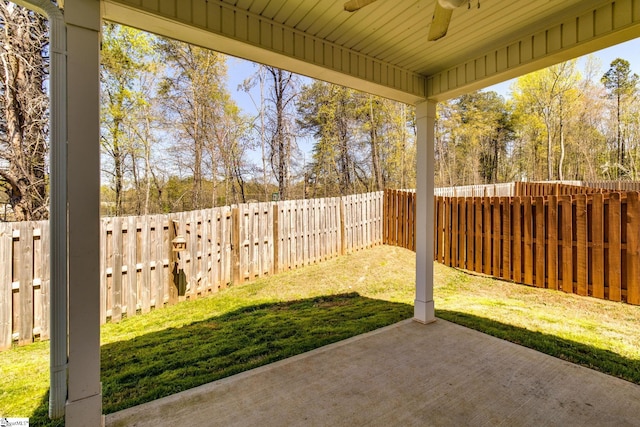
(559, 124)
(174, 139)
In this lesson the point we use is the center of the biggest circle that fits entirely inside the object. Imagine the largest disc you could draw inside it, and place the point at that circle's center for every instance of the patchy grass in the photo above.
(175, 359)
(24, 380)
(560, 317)
(179, 347)
(182, 346)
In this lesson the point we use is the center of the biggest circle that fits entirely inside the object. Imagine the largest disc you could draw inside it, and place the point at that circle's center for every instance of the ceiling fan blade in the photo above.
(353, 5)
(440, 22)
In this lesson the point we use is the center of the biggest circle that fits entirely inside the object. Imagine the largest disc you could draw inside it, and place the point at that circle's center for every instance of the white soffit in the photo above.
(383, 47)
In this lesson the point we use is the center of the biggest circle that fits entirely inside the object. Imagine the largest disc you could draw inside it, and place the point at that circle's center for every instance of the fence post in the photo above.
(235, 245)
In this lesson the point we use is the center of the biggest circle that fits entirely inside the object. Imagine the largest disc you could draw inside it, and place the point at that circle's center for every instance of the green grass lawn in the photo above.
(180, 347)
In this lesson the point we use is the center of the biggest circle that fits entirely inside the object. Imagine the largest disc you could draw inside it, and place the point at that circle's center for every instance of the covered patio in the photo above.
(382, 48)
(405, 374)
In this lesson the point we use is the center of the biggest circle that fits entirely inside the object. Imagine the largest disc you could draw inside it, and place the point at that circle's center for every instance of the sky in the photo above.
(239, 70)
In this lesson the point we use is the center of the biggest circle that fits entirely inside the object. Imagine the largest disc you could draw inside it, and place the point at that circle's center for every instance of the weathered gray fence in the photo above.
(224, 245)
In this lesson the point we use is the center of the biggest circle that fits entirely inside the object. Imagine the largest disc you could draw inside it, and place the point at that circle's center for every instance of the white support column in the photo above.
(84, 400)
(425, 120)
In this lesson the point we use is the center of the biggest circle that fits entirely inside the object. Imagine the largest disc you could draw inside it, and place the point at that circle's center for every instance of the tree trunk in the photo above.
(24, 107)
(562, 148)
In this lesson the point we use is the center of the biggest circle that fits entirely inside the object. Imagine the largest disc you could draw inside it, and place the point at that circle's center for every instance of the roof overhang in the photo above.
(383, 47)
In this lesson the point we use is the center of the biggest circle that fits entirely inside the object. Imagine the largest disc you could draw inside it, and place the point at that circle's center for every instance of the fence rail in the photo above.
(140, 271)
(587, 244)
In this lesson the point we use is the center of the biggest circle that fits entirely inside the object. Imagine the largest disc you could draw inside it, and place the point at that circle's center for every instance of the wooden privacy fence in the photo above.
(587, 244)
(553, 189)
(613, 185)
(140, 271)
(547, 188)
(399, 225)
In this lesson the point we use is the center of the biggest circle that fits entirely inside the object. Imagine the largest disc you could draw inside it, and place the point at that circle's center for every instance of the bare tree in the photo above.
(281, 112)
(194, 99)
(23, 102)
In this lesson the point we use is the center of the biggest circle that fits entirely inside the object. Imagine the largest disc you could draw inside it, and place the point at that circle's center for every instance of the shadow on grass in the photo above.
(176, 359)
(40, 416)
(601, 360)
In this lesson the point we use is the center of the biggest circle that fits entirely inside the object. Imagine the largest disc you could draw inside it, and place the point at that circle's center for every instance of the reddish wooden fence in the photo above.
(587, 244)
(399, 213)
(552, 189)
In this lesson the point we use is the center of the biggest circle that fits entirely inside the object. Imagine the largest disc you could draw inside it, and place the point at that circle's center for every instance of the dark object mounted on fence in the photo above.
(179, 244)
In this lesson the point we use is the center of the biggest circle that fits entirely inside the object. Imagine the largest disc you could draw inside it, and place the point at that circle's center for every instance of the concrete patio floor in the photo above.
(407, 374)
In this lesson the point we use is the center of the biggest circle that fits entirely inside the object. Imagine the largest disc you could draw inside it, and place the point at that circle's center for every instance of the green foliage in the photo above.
(126, 55)
(622, 89)
(207, 124)
(619, 80)
(545, 102)
(362, 142)
(473, 133)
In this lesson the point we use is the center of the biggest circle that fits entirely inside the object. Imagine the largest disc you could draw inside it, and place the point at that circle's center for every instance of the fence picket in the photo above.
(131, 266)
(45, 282)
(597, 246)
(470, 211)
(25, 277)
(206, 252)
(552, 242)
(527, 236)
(161, 230)
(566, 220)
(540, 243)
(487, 235)
(144, 277)
(497, 237)
(454, 232)
(614, 248)
(116, 270)
(6, 293)
(478, 247)
(505, 202)
(633, 248)
(581, 245)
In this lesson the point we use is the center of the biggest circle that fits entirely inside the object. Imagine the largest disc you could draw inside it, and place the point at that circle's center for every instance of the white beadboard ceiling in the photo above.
(388, 38)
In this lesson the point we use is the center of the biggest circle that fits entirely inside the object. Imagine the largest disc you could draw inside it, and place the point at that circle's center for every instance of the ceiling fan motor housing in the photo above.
(451, 4)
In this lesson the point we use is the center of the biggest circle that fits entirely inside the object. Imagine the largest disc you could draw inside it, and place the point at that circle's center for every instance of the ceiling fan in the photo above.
(441, 14)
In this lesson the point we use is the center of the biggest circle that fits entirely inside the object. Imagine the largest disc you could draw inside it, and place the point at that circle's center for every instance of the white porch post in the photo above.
(84, 400)
(425, 120)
